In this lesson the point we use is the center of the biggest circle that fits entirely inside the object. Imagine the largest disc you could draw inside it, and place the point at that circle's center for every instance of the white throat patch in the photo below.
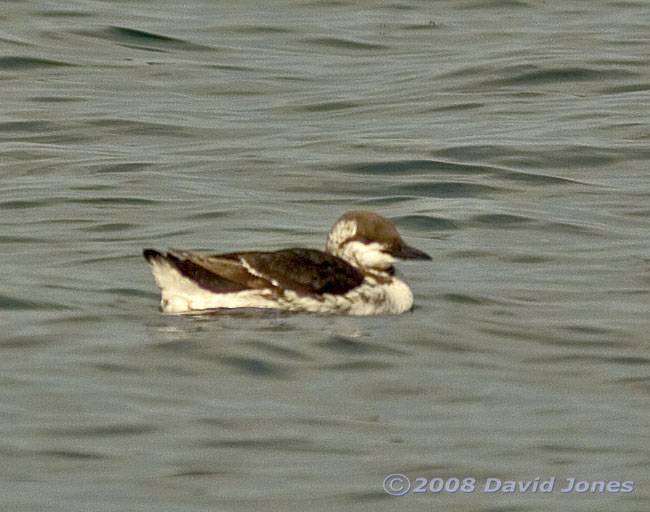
(370, 256)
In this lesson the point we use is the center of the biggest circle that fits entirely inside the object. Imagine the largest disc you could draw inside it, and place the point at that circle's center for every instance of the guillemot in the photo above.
(354, 276)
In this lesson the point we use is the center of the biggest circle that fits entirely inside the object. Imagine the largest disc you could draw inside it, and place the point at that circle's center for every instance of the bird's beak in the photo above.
(406, 252)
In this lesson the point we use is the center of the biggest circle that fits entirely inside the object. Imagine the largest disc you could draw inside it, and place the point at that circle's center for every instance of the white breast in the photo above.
(399, 296)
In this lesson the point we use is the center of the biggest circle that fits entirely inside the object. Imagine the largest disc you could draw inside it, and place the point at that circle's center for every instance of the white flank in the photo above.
(182, 295)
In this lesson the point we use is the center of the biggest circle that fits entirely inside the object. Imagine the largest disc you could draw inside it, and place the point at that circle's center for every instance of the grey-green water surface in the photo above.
(509, 139)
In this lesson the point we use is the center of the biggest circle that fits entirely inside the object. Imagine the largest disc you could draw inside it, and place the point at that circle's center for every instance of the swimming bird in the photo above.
(354, 276)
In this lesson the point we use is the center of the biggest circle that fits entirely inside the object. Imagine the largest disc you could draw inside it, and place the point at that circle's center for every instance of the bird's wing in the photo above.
(305, 271)
(217, 274)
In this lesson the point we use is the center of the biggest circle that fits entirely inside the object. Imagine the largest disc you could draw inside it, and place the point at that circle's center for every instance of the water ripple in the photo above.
(543, 76)
(428, 167)
(501, 220)
(449, 189)
(10, 63)
(140, 39)
(103, 430)
(426, 222)
(347, 345)
(257, 367)
(344, 44)
(12, 303)
(71, 454)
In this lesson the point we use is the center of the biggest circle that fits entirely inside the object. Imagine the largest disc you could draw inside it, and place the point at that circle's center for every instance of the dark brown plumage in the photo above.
(304, 271)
